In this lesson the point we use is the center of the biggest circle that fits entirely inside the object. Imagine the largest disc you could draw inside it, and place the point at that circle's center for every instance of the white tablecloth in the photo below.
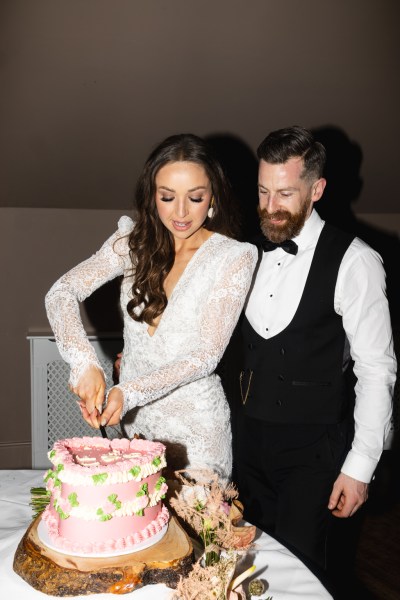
(287, 577)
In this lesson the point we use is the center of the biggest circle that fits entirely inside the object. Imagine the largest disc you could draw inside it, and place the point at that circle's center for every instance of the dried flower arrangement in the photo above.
(212, 510)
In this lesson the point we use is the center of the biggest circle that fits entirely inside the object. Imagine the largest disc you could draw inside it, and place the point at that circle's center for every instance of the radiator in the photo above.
(54, 412)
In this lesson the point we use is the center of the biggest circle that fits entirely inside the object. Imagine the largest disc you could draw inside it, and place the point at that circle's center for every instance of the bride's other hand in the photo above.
(117, 368)
(113, 410)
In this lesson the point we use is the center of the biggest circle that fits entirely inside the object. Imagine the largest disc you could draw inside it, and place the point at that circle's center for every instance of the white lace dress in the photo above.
(169, 375)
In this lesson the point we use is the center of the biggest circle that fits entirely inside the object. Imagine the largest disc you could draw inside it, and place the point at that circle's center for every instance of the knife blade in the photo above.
(103, 432)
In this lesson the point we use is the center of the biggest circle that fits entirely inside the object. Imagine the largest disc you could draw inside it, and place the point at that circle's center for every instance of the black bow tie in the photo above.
(288, 246)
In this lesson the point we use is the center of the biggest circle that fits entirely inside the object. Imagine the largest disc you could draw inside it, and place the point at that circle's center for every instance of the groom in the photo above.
(308, 443)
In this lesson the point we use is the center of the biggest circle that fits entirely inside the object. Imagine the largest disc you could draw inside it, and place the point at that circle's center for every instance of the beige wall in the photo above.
(87, 88)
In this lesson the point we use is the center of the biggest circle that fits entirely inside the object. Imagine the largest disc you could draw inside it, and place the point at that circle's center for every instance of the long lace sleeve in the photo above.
(219, 314)
(62, 300)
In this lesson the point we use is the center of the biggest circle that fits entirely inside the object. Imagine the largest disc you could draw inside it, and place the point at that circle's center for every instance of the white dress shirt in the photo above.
(360, 300)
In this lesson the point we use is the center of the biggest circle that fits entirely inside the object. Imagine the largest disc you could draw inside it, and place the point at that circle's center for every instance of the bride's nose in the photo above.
(181, 208)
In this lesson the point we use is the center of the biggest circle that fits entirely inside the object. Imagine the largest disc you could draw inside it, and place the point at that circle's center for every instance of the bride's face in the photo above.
(183, 196)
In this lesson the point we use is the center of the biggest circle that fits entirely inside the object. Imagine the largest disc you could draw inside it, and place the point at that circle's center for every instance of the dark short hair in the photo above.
(292, 142)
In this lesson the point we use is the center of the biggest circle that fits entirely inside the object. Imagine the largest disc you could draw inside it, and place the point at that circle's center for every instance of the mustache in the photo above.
(278, 214)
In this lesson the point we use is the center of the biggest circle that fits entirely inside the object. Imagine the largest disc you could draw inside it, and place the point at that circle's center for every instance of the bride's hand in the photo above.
(90, 390)
(112, 412)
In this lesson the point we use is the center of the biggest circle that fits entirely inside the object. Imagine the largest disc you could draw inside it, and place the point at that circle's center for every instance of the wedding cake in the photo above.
(105, 495)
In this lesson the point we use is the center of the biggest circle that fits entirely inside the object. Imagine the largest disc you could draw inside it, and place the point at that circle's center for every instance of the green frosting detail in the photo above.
(61, 512)
(102, 515)
(73, 499)
(52, 453)
(140, 513)
(105, 517)
(99, 479)
(53, 474)
(135, 471)
(143, 490)
(156, 461)
(159, 483)
(113, 499)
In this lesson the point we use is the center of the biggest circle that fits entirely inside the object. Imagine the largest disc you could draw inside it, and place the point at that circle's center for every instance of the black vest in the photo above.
(297, 376)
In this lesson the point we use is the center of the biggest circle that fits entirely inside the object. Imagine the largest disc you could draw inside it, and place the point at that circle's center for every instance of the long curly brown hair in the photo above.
(152, 249)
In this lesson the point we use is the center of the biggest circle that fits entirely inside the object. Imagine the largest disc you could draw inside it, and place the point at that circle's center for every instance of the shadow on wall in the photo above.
(344, 186)
(241, 167)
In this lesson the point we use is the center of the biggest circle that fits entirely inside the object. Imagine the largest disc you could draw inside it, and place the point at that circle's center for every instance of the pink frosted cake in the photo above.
(106, 495)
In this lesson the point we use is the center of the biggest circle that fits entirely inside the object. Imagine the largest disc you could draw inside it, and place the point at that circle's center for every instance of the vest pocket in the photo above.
(312, 383)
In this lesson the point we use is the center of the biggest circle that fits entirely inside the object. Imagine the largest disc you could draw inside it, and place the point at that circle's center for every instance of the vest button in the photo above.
(281, 377)
(283, 351)
(279, 402)
(251, 346)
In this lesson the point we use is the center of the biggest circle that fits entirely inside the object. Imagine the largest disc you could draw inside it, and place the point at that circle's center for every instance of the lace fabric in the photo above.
(171, 392)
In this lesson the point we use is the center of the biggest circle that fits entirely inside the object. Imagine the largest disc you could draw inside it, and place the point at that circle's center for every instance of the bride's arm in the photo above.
(62, 306)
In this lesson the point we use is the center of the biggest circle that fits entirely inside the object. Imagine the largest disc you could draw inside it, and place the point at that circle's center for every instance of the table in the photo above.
(287, 577)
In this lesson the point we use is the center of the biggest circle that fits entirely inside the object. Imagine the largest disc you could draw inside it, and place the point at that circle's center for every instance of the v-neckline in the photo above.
(178, 283)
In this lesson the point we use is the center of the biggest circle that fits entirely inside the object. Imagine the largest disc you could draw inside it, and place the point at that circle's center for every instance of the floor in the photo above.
(378, 554)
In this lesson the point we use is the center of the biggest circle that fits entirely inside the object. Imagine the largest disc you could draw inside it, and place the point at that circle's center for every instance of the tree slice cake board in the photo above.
(59, 574)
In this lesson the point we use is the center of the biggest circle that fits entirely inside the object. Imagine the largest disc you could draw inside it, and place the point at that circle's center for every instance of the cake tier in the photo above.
(90, 461)
(91, 537)
(105, 494)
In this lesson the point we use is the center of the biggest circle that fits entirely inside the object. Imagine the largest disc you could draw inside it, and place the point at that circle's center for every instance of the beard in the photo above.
(291, 228)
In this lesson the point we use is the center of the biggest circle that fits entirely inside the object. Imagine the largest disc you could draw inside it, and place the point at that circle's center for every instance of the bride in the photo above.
(185, 280)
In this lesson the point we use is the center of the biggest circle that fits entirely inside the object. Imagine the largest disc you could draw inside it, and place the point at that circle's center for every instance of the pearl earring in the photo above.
(210, 212)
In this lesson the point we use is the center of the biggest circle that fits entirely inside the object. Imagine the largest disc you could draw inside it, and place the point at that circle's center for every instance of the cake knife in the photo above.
(103, 432)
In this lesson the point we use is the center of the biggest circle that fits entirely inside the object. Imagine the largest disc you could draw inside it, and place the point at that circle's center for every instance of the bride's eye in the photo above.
(166, 199)
(197, 199)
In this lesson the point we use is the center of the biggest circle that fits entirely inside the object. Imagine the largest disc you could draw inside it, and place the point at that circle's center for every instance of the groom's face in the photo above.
(285, 198)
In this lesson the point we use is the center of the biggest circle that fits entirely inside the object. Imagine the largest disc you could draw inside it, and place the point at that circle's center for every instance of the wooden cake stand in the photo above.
(59, 574)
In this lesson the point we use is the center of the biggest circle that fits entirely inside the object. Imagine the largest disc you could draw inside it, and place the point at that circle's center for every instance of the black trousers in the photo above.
(284, 474)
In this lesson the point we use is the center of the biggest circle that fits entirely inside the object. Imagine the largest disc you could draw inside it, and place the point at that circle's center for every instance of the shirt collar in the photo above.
(312, 228)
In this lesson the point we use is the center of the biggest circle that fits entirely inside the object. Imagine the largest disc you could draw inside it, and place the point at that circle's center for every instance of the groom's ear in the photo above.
(317, 189)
